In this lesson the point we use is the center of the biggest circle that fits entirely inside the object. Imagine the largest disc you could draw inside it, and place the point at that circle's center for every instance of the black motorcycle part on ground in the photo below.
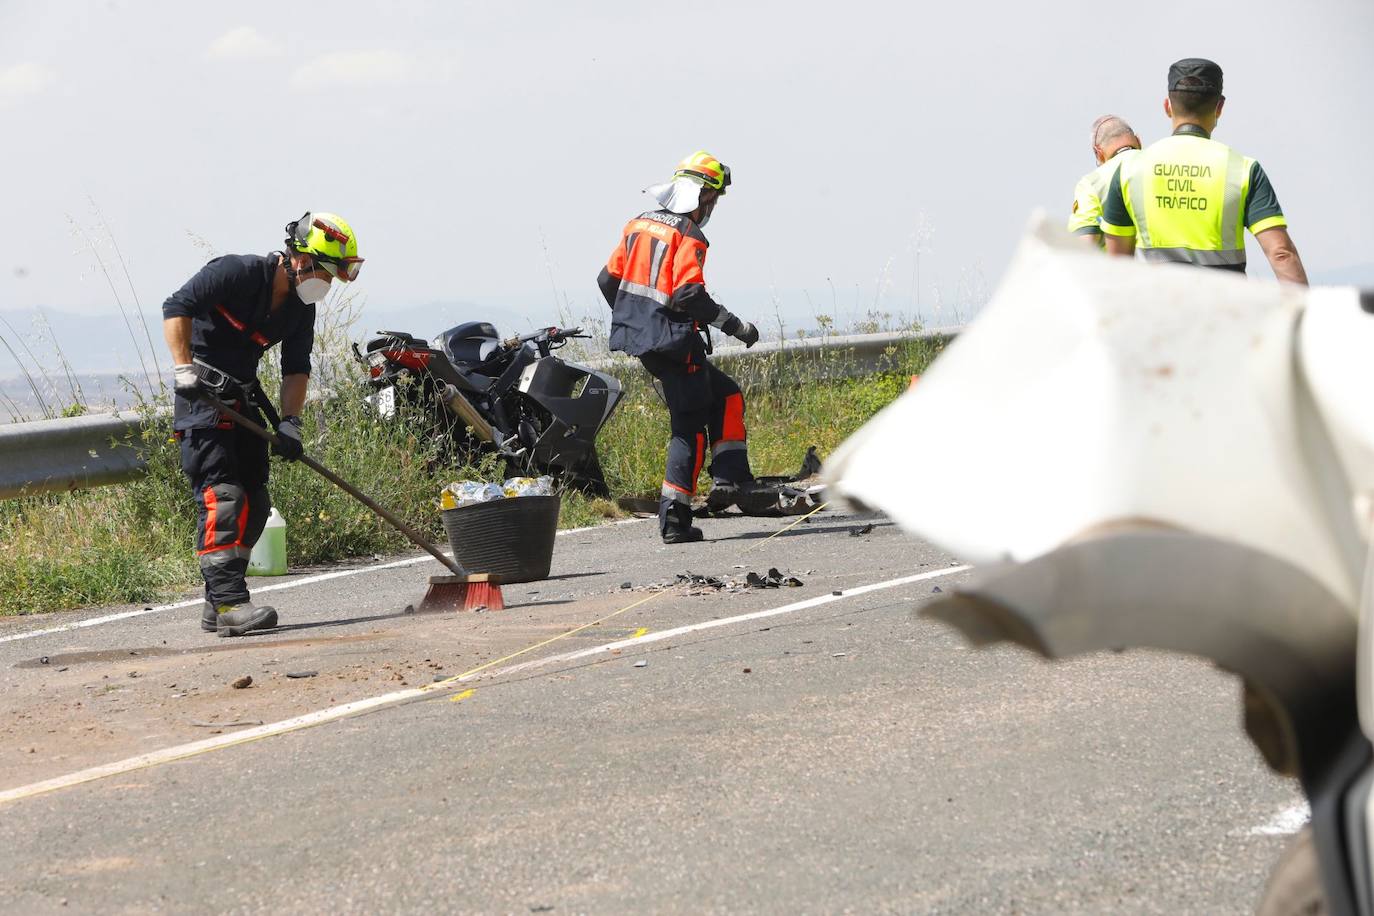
(1290, 640)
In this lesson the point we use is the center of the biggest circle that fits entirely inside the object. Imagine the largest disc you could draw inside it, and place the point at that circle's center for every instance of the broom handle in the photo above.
(415, 536)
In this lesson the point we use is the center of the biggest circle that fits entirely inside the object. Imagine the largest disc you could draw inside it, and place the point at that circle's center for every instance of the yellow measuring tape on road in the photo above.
(787, 528)
(439, 685)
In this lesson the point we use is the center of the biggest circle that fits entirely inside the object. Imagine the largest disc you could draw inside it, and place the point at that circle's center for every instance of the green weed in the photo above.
(132, 543)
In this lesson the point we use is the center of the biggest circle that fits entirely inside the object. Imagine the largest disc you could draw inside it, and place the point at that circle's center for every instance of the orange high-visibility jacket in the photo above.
(654, 285)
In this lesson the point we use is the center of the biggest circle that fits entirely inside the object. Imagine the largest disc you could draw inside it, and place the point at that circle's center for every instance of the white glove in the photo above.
(185, 381)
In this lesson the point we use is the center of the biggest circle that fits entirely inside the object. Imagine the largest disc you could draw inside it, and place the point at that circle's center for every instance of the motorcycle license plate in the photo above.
(386, 402)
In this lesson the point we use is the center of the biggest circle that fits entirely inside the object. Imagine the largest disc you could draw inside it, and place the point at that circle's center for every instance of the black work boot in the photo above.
(238, 619)
(209, 620)
(675, 523)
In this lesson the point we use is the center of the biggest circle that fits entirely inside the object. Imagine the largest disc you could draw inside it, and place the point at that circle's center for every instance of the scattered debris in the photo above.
(785, 581)
(626, 585)
(774, 579)
(837, 654)
(408, 609)
(859, 532)
(301, 673)
(242, 682)
(133, 674)
(641, 664)
(43, 660)
(691, 578)
(242, 722)
(937, 589)
(837, 592)
(748, 670)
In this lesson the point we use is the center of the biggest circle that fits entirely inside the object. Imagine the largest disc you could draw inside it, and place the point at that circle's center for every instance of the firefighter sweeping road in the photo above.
(809, 748)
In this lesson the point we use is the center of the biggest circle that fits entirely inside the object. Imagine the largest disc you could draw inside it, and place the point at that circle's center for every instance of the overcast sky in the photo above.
(491, 152)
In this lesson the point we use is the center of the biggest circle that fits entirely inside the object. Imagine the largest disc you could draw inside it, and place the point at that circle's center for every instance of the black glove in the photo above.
(288, 444)
(747, 334)
(741, 330)
(186, 382)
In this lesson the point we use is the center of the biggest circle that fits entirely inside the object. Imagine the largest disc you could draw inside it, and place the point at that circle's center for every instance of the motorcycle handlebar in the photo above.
(553, 335)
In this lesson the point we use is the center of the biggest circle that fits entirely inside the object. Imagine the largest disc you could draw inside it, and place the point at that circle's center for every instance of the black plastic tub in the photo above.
(511, 538)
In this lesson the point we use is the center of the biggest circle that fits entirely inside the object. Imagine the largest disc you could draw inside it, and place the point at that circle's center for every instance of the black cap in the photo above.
(1194, 74)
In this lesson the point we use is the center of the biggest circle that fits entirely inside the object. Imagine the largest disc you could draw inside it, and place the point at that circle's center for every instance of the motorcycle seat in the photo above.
(387, 338)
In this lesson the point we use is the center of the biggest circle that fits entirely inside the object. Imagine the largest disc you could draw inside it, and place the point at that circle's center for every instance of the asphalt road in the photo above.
(840, 755)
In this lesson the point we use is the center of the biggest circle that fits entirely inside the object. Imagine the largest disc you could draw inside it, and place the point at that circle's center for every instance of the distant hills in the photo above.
(107, 355)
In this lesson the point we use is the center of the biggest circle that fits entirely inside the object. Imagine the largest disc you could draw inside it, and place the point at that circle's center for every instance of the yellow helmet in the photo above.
(329, 239)
(706, 169)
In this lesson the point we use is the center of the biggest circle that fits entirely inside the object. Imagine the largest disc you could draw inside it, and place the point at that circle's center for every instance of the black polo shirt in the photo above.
(229, 302)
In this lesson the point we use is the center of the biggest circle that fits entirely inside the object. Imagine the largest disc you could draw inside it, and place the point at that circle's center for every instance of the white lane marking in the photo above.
(709, 624)
(330, 714)
(296, 583)
(1288, 821)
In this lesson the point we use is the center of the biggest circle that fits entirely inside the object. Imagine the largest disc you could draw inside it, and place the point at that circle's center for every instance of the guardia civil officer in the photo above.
(1188, 198)
(1114, 142)
(660, 311)
(226, 317)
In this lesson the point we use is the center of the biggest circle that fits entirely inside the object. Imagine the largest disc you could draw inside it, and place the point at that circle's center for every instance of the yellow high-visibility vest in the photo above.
(1186, 197)
(1086, 215)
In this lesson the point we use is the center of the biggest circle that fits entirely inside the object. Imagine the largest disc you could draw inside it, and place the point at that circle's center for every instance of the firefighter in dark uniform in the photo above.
(217, 328)
(660, 311)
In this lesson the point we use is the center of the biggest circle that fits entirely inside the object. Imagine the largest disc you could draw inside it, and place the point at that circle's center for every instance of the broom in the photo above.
(461, 591)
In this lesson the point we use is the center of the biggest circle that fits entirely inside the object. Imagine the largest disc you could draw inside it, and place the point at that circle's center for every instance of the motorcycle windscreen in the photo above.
(1093, 389)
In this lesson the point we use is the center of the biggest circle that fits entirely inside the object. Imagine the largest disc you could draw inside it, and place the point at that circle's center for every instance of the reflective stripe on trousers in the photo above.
(686, 454)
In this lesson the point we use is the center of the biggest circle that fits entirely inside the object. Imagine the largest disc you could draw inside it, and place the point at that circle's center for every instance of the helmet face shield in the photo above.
(346, 269)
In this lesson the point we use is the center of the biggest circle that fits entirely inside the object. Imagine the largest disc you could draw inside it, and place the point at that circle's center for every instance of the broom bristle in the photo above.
(465, 593)
(483, 594)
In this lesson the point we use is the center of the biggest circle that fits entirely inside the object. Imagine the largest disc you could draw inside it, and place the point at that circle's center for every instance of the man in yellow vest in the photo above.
(1114, 142)
(1189, 199)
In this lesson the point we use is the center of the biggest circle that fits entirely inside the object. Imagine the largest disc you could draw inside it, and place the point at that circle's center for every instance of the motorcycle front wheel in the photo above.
(1295, 885)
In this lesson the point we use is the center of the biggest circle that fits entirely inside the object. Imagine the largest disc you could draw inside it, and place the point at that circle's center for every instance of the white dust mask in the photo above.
(312, 290)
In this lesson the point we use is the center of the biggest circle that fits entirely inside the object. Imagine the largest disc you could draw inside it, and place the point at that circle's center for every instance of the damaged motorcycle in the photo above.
(539, 412)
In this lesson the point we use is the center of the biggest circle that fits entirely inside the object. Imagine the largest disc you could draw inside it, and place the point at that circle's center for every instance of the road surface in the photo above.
(619, 745)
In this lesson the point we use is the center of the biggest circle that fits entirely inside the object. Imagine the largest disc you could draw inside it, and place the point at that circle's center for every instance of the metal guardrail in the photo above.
(51, 456)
